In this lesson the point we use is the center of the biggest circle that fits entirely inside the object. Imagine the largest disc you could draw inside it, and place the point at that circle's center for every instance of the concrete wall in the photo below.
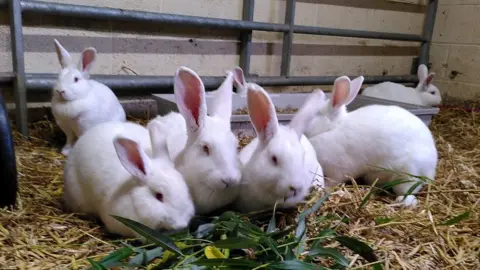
(126, 48)
(455, 54)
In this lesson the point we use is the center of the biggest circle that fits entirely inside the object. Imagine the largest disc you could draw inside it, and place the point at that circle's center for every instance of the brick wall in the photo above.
(455, 53)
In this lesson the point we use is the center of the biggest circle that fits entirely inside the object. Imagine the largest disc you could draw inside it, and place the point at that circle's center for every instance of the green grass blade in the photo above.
(204, 230)
(314, 207)
(146, 257)
(150, 234)
(367, 197)
(294, 264)
(96, 265)
(248, 264)
(330, 252)
(272, 225)
(235, 242)
(457, 219)
(114, 259)
(358, 247)
(383, 220)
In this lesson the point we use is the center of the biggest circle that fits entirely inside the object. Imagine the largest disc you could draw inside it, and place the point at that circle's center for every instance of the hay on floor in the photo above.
(40, 235)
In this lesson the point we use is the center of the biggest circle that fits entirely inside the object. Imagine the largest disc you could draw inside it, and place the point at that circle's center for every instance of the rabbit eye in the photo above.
(433, 93)
(159, 196)
(206, 149)
(274, 160)
(75, 79)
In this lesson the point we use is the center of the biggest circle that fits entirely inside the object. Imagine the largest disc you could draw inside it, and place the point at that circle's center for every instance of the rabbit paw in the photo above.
(66, 150)
(408, 201)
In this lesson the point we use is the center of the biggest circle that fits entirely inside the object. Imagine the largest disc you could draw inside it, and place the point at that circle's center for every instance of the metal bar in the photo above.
(7, 77)
(312, 30)
(428, 32)
(44, 82)
(288, 38)
(81, 11)
(246, 37)
(20, 91)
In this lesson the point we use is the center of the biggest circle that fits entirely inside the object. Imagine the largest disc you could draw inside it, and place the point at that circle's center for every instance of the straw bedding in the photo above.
(40, 235)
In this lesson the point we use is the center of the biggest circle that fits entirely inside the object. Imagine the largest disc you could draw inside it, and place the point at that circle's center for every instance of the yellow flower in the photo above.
(212, 252)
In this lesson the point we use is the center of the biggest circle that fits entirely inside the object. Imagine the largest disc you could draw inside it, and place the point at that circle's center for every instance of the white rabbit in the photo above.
(79, 103)
(362, 142)
(203, 146)
(111, 171)
(425, 93)
(280, 164)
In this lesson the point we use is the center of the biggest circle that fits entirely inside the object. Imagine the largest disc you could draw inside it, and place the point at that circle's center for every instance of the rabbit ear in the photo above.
(262, 112)
(158, 137)
(190, 96)
(239, 79)
(425, 83)
(222, 103)
(429, 79)
(64, 57)
(133, 158)
(355, 86)
(312, 106)
(422, 72)
(341, 91)
(89, 55)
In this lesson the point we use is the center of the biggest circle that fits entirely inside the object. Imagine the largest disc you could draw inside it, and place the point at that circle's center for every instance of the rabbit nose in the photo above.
(293, 189)
(60, 91)
(225, 182)
(229, 181)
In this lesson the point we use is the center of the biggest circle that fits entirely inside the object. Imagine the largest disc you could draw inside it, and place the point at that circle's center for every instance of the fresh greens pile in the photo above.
(233, 241)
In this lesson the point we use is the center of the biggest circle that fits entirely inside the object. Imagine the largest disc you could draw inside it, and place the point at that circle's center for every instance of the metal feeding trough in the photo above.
(241, 125)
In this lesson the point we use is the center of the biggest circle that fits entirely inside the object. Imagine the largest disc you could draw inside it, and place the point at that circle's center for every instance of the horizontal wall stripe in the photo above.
(371, 4)
(44, 43)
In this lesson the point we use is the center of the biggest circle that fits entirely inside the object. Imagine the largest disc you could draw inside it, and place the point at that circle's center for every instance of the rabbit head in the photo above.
(168, 202)
(275, 170)
(334, 109)
(429, 93)
(209, 161)
(73, 82)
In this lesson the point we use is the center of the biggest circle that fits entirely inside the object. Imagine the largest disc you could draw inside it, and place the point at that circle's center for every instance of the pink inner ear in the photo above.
(133, 155)
(193, 94)
(59, 53)
(340, 92)
(239, 76)
(87, 58)
(429, 79)
(259, 110)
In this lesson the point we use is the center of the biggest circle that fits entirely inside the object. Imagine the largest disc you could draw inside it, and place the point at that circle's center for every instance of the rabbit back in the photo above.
(389, 137)
(393, 91)
(177, 132)
(94, 177)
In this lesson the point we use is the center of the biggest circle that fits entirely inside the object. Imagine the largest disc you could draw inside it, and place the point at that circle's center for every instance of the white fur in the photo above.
(100, 179)
(79, 103)
(357, 143)
(212, 176)
(425, 93)
(288, 181)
